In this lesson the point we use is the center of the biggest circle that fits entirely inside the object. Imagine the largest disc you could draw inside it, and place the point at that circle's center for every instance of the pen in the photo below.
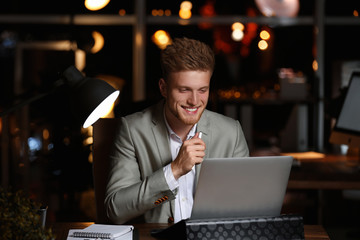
(200, 135)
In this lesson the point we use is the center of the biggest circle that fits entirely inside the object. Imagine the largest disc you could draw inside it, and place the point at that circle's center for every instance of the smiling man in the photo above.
(158, 152)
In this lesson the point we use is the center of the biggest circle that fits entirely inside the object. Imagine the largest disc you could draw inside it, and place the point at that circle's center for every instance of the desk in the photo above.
(336, 172)
(333, 172)
(142, 231)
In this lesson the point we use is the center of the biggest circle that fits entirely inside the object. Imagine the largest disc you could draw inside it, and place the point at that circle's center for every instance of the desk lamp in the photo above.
(90, 98)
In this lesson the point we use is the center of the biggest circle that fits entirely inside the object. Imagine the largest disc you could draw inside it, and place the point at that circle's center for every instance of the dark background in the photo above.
(59, 169)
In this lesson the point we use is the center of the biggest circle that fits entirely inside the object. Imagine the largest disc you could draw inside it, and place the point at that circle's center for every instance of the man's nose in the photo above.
(193, 98)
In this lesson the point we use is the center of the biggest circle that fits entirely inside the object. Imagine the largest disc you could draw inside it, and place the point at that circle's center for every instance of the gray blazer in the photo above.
(137, 187)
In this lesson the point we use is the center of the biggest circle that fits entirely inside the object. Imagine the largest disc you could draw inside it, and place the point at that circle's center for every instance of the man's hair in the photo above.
(186, 54)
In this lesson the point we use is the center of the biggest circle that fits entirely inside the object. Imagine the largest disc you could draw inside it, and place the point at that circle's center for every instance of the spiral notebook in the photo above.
(102, 231)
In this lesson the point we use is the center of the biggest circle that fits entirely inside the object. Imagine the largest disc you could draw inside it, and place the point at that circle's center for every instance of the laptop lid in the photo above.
(241, 187)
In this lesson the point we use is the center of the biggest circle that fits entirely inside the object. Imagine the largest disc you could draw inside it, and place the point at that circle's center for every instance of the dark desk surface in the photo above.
(61, 229)
(330, 172)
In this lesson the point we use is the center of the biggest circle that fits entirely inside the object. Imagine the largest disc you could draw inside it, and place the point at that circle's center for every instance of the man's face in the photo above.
(186, 95)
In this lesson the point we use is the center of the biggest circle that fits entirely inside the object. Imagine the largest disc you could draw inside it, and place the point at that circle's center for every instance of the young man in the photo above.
(158, 152)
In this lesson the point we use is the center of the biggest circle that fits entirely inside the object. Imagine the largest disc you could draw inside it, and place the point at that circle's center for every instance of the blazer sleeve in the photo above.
(130, 191)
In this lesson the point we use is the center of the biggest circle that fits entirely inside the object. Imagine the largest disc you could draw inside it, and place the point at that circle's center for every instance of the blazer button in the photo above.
(170, 220)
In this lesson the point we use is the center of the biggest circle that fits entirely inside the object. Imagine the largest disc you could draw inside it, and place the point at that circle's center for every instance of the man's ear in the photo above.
(163, 87)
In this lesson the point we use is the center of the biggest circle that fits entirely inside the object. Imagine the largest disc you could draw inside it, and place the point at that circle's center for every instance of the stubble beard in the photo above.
(188, 119)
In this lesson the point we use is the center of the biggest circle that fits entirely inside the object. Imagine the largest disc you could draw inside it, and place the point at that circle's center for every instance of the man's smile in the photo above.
(191, 109)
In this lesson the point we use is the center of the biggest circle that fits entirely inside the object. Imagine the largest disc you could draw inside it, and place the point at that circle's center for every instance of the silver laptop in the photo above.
(241, 187)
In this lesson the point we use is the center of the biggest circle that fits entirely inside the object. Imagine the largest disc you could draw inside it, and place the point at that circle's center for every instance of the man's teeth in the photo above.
(191, 109)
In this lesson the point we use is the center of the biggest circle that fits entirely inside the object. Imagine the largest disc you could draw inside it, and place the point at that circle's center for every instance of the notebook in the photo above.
(102, 231)
(241, 187)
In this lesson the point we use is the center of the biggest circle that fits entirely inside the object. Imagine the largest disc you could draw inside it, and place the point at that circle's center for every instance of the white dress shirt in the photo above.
(184, 186)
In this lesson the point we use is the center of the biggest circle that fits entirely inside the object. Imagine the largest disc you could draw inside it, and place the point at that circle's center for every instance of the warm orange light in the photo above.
(185, 10)
(355, 13)
(122, 12)
(237, 25)
(315, 65)
(90, 158)
(265, 35)
(99, 42)
(161, 38)
(262, 45)
(160, 12)
(184, 14)
(88, 141)
(187, 5)
(87, 131)
(95, 5)
(45, 134)
(167, 12)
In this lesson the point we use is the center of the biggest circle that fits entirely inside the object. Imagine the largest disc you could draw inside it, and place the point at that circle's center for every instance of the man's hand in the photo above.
(191, 152)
